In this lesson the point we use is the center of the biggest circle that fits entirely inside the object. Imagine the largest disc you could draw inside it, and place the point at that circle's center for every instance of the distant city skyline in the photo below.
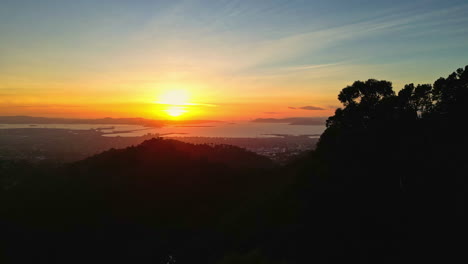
(221, 60)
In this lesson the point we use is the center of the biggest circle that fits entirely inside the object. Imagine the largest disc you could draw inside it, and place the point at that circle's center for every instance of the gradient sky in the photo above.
(236, 59)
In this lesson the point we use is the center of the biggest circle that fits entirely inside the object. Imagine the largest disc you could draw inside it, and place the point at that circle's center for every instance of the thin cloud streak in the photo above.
(309, 107)
(257, 54)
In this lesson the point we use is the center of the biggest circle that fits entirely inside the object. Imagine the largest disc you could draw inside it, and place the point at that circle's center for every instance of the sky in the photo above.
(231, 60)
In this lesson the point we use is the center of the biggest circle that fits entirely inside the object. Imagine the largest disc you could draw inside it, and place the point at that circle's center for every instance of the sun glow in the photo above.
(176, 102)
(174, 97)
(175, 111)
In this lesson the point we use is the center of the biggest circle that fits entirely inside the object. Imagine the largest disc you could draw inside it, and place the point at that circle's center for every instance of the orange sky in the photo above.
(212, 97)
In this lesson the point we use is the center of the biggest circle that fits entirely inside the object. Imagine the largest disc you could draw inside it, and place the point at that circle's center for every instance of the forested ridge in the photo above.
(386, 184)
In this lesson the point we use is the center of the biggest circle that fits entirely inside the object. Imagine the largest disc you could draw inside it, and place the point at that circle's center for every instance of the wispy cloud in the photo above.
(333, 106)
(310, 107)
(212, 44)
(307, 107)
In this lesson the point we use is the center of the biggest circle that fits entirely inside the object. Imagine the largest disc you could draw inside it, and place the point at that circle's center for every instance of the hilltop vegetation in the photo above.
(385, 185)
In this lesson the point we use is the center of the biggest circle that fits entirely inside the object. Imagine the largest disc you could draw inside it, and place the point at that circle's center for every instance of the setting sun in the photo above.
(175, 102)
(175, 111)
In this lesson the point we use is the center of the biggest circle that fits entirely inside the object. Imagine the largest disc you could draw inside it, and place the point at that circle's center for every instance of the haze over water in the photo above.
(214, 129)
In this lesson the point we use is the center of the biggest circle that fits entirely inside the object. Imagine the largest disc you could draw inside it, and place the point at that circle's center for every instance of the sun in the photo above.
(175, 102)
(175, 111)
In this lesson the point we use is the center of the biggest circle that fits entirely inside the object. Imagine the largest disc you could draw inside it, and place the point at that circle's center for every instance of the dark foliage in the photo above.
(400, 163)
(141, 204)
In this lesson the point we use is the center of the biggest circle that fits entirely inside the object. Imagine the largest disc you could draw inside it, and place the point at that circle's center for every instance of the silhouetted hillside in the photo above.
(167, 153)
(164, 190)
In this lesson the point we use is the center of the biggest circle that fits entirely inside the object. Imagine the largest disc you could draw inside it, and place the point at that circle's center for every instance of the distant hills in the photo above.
(159, 152)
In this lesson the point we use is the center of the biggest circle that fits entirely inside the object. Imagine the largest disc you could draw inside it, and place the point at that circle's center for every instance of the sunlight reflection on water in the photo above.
(215, 129)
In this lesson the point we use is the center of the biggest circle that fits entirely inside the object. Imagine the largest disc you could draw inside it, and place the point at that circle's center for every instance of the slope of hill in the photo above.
(158, 151)
(160, 194)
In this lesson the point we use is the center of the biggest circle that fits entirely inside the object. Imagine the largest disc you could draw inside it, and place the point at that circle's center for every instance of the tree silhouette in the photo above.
(381, 148)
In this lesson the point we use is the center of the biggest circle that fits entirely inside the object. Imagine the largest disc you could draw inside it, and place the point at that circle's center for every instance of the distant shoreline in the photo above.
(99, 132)
(247, 129)
(27, 120)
